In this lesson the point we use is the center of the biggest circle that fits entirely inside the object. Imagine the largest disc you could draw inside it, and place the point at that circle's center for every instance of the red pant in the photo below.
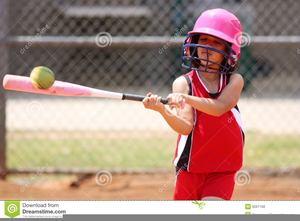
(195, 186)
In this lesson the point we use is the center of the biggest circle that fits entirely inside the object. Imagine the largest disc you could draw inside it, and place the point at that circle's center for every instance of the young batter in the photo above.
(209, 148)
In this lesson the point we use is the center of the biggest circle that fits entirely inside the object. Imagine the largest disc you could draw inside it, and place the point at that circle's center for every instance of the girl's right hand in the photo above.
(176, 100)
(153, 102)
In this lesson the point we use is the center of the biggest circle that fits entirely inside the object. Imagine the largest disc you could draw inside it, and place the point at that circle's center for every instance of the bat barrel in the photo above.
(59, 88)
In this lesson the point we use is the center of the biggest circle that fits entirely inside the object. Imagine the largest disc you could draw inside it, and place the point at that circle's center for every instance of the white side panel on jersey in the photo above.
(238, 117)
(221, 82)
(180, 148)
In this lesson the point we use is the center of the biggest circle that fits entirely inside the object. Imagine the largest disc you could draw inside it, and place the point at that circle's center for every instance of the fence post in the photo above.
(3, 70)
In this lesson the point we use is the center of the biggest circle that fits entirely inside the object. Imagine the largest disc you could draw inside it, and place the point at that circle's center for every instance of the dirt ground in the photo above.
(144, 187)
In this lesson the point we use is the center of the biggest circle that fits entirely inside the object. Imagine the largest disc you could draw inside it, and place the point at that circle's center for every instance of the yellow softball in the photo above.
(42, 77)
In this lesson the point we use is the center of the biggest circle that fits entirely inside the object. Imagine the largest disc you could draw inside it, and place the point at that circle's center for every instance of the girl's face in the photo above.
(213, 56)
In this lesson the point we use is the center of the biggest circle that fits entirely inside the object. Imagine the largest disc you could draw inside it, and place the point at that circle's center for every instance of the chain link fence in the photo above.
(134, 46)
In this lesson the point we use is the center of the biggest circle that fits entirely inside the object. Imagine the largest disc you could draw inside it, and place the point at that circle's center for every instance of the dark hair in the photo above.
(196, 62)
(233, 68)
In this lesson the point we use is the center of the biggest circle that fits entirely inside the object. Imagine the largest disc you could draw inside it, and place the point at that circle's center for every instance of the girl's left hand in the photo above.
(176, 100)
(152, 101)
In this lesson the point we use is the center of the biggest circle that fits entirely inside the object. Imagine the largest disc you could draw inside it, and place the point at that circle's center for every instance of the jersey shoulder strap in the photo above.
(228, 78)
(188, 79)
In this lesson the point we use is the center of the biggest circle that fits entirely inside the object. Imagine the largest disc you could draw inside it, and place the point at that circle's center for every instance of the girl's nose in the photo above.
(208, 43)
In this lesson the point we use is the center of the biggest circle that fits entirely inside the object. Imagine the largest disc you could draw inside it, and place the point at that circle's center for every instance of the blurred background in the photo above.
(134, 46)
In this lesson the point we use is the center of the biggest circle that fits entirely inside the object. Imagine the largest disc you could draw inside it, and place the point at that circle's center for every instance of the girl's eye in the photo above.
(217, 42)
(202, 39)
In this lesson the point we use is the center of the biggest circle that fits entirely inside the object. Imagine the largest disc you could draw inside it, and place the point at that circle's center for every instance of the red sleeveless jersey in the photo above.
(215, 144)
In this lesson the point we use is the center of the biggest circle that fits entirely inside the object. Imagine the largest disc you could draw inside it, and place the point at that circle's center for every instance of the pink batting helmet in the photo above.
(221, 24)
(218, 23)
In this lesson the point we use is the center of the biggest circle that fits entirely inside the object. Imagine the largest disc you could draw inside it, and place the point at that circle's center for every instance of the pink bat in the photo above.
(61, 88)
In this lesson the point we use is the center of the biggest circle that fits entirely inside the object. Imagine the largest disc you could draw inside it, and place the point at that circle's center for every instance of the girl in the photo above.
(209, 148)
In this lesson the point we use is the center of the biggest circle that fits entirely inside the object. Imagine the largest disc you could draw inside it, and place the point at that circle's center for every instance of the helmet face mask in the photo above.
(191, 60)
(220, 24)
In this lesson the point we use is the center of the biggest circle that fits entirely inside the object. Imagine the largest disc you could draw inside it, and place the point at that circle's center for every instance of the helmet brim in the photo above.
(212, 32)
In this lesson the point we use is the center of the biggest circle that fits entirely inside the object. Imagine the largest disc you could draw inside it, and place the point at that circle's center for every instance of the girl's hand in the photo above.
(176, 100)
(153, 102)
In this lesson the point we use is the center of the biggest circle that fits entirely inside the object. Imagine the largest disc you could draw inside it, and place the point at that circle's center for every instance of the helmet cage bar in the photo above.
(189, 53)
(207, 60)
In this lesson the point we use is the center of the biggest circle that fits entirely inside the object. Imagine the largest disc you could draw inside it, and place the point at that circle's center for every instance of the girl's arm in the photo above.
(216, 107)
(182, 123)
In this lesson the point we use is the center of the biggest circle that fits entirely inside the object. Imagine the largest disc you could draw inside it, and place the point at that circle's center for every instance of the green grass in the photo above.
(91, 153)
(24, 152)
(272, 150)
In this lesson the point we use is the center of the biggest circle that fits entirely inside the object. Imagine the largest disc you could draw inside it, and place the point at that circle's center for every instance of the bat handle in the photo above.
(133, 97)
